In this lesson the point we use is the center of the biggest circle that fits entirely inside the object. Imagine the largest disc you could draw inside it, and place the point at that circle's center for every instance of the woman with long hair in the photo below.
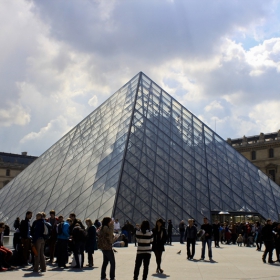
(105, 241)
(90, 241)
(159, 234)
(144, 239)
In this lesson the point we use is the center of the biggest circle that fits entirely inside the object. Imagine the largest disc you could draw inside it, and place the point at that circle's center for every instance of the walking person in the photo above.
(208, 231)
(90, 241)
(268, 237)
(144, 239)
(190, 237)
(182, 231)
(105, 241)
(159, 234)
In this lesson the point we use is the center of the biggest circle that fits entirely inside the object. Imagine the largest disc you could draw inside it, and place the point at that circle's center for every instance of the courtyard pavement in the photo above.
(229, 262)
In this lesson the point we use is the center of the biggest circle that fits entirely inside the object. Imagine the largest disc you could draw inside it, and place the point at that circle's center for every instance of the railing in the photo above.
(8, 241)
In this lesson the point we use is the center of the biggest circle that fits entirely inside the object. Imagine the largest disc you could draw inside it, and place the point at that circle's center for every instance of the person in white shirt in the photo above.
(117, 226)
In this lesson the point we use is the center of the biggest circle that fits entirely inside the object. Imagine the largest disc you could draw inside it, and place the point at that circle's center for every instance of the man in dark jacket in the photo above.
(79, 240)
(268, 238)
(190, 237)
(182, 231)
(52, 241)
(75, 221)
(169, 232)
(37, 232)
(26, 236)
(207, 238)
(216, 232)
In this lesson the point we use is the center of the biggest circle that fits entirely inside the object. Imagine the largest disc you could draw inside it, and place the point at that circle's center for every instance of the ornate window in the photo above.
(270, 153)
(271, 174)
(253, 155)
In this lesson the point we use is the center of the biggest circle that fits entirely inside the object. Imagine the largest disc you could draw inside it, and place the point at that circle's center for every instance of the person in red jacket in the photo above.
(5, 253)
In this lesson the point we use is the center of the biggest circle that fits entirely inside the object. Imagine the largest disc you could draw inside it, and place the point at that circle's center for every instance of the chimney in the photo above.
(24, 153)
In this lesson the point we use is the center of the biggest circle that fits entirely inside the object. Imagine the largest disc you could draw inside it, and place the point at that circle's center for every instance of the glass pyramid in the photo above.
(140, 155)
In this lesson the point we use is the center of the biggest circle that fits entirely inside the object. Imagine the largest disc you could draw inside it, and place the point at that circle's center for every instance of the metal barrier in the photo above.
(8, 241)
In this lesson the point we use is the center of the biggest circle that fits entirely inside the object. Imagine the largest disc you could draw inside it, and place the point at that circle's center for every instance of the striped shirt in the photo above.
(144, 241)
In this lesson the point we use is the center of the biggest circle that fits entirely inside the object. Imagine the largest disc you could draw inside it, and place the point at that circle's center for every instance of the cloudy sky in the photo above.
(61, 59)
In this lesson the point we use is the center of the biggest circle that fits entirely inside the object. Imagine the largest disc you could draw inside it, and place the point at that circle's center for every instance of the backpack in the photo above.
(59, 228)
(47, 230)
(82, 235)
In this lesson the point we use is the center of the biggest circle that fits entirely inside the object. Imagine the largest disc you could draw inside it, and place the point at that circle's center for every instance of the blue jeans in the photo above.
(208, 241)
(108, 256)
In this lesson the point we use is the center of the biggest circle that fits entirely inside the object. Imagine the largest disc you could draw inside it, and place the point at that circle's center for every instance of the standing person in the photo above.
(277, 242)
(117, 226)
(25, 235)
(267, 236)
(207, 228)
(216, 232)
(79, 240)
(233, 232)
(159, 239)
(190, 236)
(169, 232)
(17, 223)
(105, 241)
(52, 241)
(75, 221)
(258, 236)
(182, 231)
(62, 241)
(90, 241)
(144, 239)
(128, 230)
(97, 224)
(37, 232)
(137, 227)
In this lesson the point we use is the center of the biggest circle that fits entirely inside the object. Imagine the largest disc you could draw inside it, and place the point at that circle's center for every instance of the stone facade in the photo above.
(11, 165)
(263, 151)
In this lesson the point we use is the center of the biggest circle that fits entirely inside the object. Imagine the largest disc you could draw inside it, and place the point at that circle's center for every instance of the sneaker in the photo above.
(2, 269)
(210, 259)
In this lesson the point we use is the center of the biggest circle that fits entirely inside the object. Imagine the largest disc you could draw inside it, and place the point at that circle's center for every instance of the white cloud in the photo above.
(14, 115)
(56, 71)
(93, 101)
(214, 105)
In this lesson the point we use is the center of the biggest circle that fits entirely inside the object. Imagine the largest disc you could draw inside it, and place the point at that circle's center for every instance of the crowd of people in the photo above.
(53, 237)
